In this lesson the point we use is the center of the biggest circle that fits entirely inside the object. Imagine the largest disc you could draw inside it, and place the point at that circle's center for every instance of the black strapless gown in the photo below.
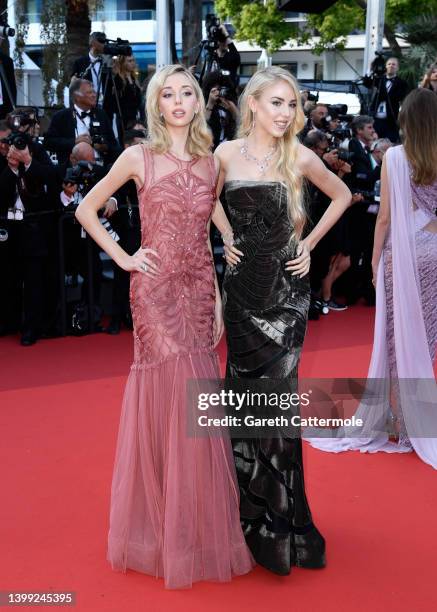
(265, 312)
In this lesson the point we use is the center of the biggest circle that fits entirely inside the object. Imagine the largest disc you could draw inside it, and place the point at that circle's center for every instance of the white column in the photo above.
(162, 36)
(12, 23)
(374, 31)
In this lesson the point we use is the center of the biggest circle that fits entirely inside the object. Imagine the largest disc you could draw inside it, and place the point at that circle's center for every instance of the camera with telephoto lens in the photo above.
(5, 28)
(117, 47)
(345, 156)
(83, 174)
(19, 140)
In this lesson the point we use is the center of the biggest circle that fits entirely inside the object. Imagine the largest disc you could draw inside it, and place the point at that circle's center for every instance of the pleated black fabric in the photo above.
(265, 310)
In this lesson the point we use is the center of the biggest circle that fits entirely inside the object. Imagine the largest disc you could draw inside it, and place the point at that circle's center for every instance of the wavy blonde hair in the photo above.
(199, 140)
(288, 145)
(418, 122)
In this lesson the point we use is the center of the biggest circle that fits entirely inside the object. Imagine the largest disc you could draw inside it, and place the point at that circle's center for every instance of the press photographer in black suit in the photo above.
(388, 92)
(364, 174)
(6, 104)
(90, 67)
(81, 123)
(28, 204)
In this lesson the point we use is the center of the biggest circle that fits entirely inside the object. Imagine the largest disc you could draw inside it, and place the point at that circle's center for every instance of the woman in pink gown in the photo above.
(174, 503)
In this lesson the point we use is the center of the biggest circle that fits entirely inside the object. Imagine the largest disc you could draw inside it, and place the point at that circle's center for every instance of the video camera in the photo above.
(114, 47)
(378, 65)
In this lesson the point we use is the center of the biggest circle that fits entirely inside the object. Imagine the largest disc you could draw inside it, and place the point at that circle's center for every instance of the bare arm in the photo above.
(382, 221)
(219, 217)
(311, 166)
(316, 172)
(125, 168)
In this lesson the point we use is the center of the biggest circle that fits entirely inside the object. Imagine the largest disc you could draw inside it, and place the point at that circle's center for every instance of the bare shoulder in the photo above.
(226, 150)
(306, 160)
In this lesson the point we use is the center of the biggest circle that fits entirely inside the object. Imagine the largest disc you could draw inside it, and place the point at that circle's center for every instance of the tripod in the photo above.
(106, 71)
(211, 59)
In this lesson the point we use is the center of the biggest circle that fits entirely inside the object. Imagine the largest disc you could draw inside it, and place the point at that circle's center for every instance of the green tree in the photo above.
(257, 23)
(260, 24)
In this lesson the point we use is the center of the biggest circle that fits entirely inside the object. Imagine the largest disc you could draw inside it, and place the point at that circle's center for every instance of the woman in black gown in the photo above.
(266, 298)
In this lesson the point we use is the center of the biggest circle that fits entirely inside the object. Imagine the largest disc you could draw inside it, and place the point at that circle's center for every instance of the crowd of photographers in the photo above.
(43, 180)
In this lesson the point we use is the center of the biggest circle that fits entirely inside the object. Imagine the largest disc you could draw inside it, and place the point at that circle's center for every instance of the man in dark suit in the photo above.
(90, 67)
(9, 88)
(389, 91)
(81, 123)
(362, 224)
(27, 209)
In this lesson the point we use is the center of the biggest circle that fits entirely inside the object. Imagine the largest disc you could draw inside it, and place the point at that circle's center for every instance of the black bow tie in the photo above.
(84, 114)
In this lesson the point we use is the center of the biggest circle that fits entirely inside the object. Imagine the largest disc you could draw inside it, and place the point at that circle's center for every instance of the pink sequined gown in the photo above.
(174, 499)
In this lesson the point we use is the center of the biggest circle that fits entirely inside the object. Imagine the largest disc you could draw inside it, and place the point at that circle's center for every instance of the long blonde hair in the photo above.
(199, 140)
(418, 122)
(288, 145)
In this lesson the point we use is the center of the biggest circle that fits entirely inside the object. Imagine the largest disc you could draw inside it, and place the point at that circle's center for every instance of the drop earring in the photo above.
(253, 122)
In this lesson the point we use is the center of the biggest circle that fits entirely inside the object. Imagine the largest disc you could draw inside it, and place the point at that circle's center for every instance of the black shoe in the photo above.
(114, 327)
(27, 339)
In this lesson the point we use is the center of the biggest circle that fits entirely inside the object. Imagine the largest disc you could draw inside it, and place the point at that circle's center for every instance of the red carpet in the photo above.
(60, 404)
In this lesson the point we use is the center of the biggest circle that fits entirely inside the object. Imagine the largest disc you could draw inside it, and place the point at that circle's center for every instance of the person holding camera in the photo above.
(316, 119)
(27, 206)
(221, 108)
(78, 176)
(227, 56)
(90, 67)
(83, 122)
(388, 92)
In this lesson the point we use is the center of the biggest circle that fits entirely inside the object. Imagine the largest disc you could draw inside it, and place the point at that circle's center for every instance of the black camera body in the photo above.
(213, 31)
(20, 140)
(95, 134)
(345, 156)
(83, 174)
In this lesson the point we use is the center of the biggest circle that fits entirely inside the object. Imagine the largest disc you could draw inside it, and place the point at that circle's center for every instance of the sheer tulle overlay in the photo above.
(174, 500)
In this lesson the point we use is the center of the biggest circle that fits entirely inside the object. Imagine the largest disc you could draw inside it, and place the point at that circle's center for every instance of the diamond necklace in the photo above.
(263, 163)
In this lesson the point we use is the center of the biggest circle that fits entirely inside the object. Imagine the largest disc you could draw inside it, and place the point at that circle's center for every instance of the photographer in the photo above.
(330, 259)
(81, 123)
(90, 67)
(388, 92)
(316, 119)
(78, 177)
(228, 58)
(27, 209)
(221, 107)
